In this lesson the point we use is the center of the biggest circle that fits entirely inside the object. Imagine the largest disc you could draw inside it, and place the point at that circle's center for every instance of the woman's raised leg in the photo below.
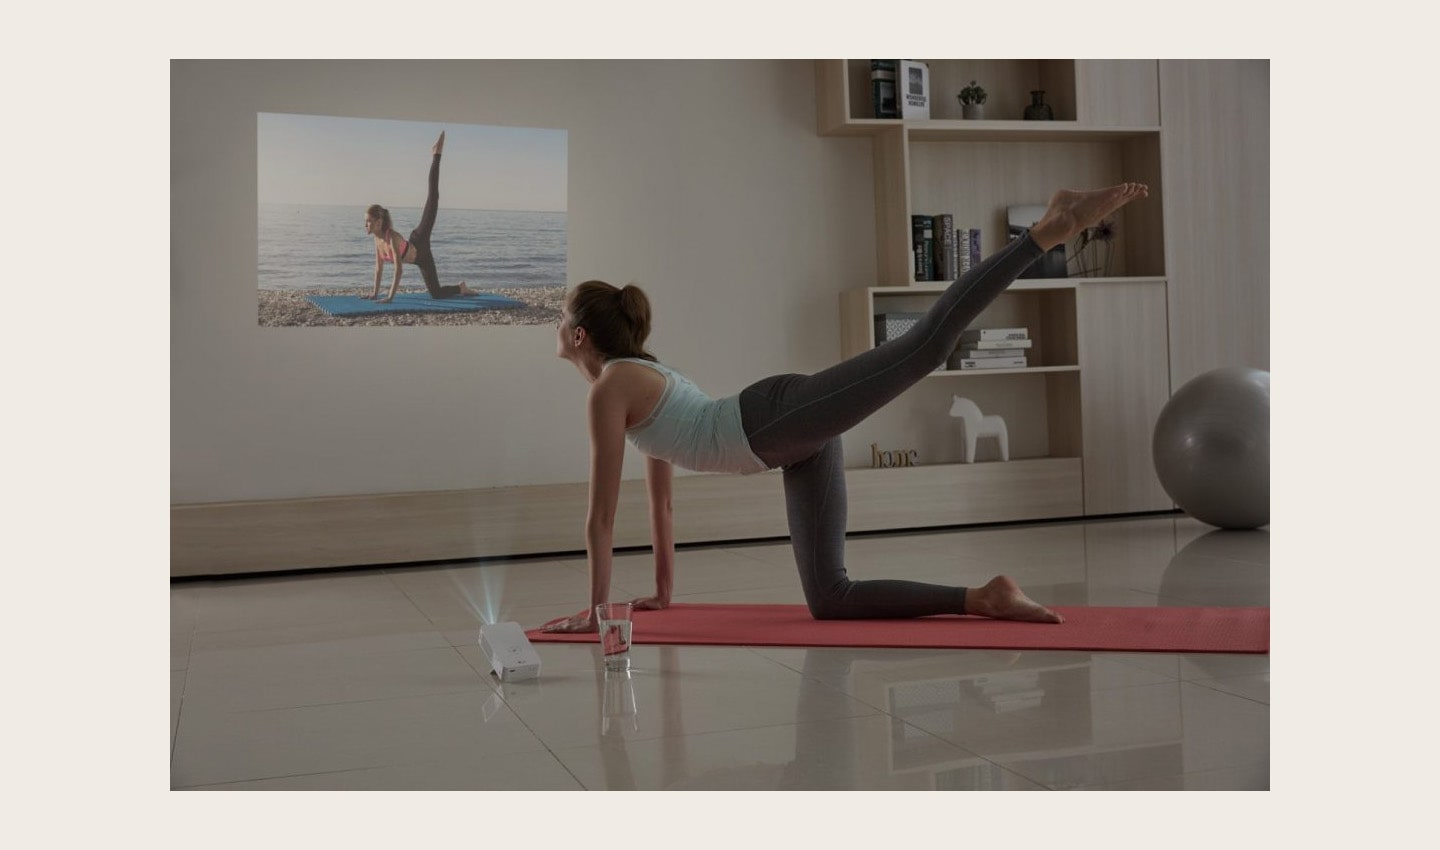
(791, 417)
(420, 236)
(432, 195)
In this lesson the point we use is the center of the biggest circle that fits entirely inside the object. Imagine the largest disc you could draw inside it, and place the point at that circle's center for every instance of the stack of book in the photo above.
(941, 251)
(992, 348)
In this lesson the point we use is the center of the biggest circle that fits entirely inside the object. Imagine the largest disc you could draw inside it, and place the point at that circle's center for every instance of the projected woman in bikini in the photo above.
(391, 248)
(789, 422)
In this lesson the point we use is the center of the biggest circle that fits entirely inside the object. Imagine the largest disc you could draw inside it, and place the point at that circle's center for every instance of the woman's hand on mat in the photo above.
(581, 622)
(650, 603)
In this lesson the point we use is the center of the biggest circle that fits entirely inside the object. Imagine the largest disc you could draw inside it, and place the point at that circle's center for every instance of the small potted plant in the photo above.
(972, 100)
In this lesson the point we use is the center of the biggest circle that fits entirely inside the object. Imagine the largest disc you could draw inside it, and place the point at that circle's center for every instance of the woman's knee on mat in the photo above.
(830, 604)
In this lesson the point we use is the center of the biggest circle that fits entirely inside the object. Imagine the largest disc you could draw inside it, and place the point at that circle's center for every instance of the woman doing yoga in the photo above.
(793, 422)
(389, 247)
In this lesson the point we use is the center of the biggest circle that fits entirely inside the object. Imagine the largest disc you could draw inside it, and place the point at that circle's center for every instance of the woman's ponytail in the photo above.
(618, 320)
(636, 306)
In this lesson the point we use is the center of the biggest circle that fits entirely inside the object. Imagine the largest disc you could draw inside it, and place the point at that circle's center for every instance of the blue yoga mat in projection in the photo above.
(411, 302)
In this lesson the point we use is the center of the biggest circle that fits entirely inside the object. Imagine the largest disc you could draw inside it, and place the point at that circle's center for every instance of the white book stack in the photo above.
(992, 348)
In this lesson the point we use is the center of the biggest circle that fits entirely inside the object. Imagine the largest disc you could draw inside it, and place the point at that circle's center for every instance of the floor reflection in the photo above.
(1219, 568)
(892, 752)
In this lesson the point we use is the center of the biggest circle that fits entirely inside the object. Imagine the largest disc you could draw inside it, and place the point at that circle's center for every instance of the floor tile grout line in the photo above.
(408, 598)
(1200, 683)
(179, 715)
(367, 701)
(204, 785)
(184, 683)
(756, 559)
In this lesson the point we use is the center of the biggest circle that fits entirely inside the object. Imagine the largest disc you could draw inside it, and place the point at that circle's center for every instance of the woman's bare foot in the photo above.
(1071, 212)
(439, 144)
(1001, 599)
(465, 290)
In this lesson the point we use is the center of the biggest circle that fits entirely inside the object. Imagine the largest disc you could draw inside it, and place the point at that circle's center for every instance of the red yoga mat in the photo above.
(1085, 628)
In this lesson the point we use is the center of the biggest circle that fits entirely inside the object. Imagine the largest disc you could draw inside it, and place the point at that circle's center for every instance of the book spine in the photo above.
(962, 250)
(974, 247)
(967, 363)
(882, 88)
(945, 267)
(994, 333)
(929, 251)
(922, 229)
(985, 353)
(993, 344)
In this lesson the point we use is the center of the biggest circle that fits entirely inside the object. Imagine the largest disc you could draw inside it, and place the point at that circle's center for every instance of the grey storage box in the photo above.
(890, 325)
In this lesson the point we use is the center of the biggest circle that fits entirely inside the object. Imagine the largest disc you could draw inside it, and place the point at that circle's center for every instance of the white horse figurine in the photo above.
(975, 425)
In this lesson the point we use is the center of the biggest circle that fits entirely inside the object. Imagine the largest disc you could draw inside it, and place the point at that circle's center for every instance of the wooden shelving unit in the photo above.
(1107, 130)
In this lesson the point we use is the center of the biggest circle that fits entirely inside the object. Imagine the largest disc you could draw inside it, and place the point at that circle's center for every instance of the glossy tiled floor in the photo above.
(372, 679)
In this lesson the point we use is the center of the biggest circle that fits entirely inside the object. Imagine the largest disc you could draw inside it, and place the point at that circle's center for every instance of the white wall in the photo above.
(704, 182)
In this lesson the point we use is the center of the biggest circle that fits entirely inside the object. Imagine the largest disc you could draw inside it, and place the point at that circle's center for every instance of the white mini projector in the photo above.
(510, 654)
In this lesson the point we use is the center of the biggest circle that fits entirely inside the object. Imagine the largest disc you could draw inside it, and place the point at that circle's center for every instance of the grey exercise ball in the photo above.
(1212, 447)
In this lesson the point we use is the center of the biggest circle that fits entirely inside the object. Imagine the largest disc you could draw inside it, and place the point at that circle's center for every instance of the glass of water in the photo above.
(613, 619)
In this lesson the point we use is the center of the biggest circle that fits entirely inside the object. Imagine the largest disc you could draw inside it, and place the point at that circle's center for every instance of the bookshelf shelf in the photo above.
(934, 288)
(1020, 131)
(1099, 350)
(1021, 285)
(975, 373)
(990, 131)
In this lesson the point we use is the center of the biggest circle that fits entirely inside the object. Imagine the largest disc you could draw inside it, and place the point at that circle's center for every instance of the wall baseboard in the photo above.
(290, 534)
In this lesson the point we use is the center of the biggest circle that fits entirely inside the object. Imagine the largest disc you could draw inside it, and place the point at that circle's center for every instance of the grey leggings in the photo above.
(795, 422)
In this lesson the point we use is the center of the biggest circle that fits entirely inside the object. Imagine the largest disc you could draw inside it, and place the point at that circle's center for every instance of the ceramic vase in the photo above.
(1039, 110)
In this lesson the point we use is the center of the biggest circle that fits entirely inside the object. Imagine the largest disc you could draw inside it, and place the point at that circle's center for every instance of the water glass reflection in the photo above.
(617, 706)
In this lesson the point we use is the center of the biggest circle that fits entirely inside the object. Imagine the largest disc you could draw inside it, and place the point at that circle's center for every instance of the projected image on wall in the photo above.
(375, 222)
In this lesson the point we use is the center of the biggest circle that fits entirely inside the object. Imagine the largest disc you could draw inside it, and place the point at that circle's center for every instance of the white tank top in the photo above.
(692, 430)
